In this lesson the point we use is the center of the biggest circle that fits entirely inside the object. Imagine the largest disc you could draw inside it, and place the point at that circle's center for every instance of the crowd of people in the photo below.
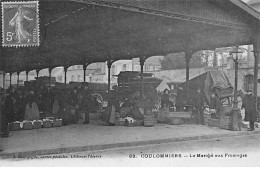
(32, 103)
(198, 103)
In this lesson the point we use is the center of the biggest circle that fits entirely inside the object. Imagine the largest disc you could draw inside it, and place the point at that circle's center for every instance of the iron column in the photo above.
(256, 46)
(65, 74)
(84, 73)
(10, 78)
(3, 80)
(188, 55)
(37, 73)
(142, 60)
(18, 76)
(27, 72)
(50, 69)
(109, 64)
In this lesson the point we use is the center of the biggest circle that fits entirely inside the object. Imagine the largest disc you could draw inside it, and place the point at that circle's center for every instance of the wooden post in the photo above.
(142, 60)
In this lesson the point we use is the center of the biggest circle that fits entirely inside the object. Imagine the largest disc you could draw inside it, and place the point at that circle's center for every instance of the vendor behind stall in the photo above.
(248, 103)
(165, 99)
(199, 103)
(215, 104)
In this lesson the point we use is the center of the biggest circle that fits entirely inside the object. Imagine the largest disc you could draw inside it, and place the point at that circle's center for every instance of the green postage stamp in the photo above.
(20, 24)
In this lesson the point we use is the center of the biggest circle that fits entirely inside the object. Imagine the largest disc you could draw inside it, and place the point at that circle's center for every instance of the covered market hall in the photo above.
(81, 32)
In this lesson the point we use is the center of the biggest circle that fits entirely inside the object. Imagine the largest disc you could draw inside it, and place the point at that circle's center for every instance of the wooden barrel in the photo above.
(149, 120)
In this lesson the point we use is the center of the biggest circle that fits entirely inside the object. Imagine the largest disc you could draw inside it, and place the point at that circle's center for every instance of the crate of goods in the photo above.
(213, 122)
(176, 121)
(226, 122)
(14, 126)
(137, 123)
(57, 123)
(37, 124)
(131, 122)
(27, 125)
(120, 122)
(47, 123)
(179, 115)
(149, 120)
(206, 118)
(245, 125)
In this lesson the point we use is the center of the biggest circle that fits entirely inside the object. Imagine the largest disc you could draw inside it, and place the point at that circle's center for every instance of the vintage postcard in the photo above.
(126, 83)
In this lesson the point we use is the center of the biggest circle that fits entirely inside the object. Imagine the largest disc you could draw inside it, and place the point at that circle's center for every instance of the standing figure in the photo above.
(9, 110)
(215, 104)
(31, 109)
(199, 103)
(86, 101)
(165, 99)
(20, 34)
(20, 103)
(180, 99)
(248, 103)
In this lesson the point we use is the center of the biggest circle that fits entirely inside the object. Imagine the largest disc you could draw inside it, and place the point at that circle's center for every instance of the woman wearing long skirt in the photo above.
(32, 110)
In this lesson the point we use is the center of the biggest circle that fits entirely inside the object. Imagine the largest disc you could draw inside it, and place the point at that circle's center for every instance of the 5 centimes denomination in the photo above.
(20, 24)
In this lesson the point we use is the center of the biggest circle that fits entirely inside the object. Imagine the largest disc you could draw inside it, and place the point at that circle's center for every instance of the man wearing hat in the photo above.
(248, 103)
(199, 103)
(215, 104)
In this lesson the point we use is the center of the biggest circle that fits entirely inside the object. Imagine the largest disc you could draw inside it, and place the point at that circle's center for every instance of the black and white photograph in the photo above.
(130, 83)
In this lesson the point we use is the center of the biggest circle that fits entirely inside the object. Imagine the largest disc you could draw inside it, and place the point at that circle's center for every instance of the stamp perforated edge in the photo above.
(37, 18)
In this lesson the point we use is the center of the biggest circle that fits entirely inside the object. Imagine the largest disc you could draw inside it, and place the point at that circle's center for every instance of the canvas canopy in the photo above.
(211, 81)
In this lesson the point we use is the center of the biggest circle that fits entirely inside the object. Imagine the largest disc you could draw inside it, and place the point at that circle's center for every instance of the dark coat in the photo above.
(10, 108)
(199, 101)
(165, 100)
(250, 110)
(216, 104)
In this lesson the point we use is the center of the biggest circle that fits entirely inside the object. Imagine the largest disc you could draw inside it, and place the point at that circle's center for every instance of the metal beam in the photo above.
(173, 14)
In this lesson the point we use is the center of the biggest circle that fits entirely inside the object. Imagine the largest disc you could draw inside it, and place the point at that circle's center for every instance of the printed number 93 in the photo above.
(9, 36)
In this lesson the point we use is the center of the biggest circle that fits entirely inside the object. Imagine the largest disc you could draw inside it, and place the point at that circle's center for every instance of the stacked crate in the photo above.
(213, 122)
(226, 122)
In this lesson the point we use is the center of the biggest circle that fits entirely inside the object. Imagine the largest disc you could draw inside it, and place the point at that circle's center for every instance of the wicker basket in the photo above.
(14, 126)
(27, 125)
(135, 123)
(150, 120)
(179, 115)
(37, 125)
(206, 118)
(57, 123)
(47, 123)
(213, 122)
(176, 121)
(150, 123)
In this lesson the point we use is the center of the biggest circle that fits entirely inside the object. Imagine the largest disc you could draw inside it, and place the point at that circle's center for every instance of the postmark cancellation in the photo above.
(20, 24)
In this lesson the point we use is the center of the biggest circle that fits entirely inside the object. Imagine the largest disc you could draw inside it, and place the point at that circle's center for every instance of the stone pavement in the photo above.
(97, 136)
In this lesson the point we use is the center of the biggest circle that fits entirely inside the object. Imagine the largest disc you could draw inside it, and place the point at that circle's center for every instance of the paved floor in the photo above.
(227, 151)
(97, 133)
